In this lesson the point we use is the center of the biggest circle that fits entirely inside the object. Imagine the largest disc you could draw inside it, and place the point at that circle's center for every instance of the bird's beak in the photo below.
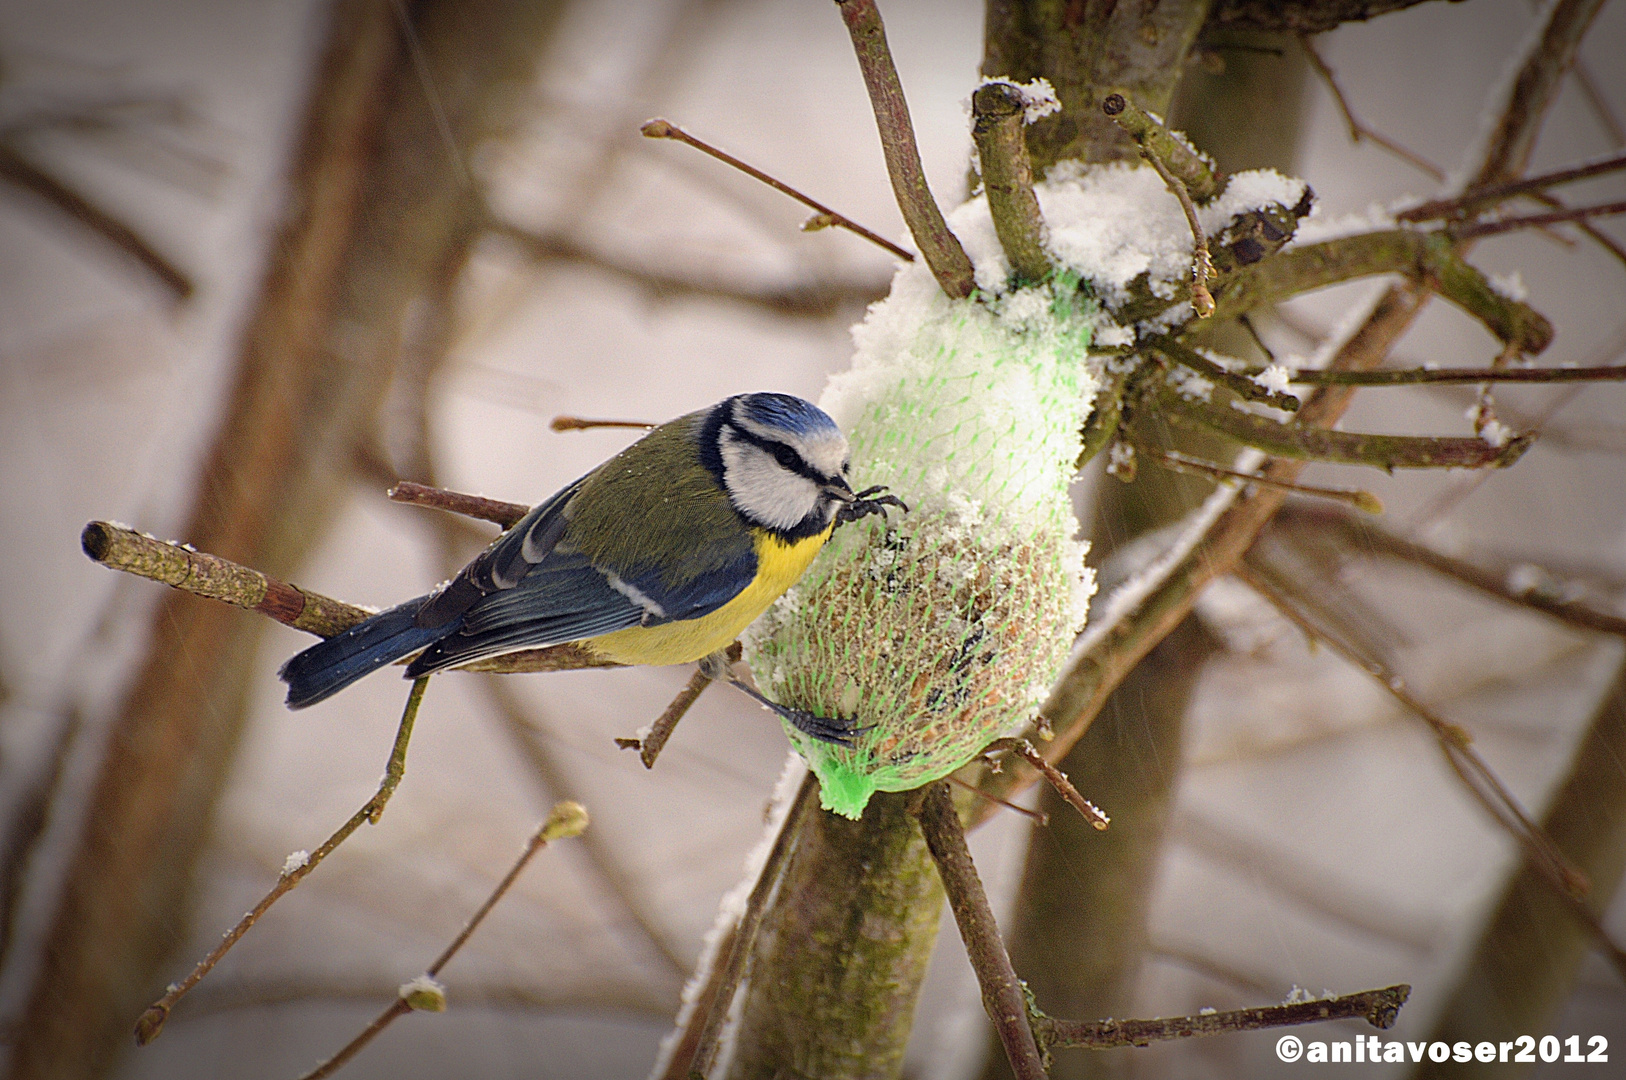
(838, 489)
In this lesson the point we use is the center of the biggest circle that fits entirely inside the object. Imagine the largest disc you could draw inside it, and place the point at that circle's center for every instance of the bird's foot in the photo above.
(867, 502)
(837, 730)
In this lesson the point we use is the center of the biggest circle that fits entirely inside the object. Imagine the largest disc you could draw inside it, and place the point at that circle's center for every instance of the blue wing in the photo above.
(565, 597)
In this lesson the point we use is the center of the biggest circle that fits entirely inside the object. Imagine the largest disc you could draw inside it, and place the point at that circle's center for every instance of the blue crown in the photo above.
(786, 413)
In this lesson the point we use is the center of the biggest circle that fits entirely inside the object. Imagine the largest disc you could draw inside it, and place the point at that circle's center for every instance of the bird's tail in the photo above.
(329, 666)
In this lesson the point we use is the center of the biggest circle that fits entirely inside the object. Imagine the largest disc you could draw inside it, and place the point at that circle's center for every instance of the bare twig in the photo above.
(506, 514)
(1158, 144)
(1202, 265)
(811, 300)
(1567, 881)
(1582, 71)
(1312, 442)
(567, 819)
(293, 872)
(1481, 781)
(1002, 995)
(1038, 817)
(23, 174)
(1475, 229)
(1358, 130)
(1058, 779)
(665, 129)
(1239, 383)
(649, 746)
(1367, 538)
(1436, 376)
(1380, 1008)
(938, 245)
(1173, 459)
(997, 111)
(582, 423)
(202, 574)
(1493, 193)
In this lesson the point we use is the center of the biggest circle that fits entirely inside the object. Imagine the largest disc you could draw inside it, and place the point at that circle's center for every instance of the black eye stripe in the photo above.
(785, 455)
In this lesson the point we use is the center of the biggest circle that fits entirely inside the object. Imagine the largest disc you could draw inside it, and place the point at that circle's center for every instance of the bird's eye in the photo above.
(845, 466)
(788, 459)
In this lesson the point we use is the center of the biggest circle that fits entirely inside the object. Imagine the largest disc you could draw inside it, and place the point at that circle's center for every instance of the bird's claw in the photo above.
(837, 730)
(867, 502)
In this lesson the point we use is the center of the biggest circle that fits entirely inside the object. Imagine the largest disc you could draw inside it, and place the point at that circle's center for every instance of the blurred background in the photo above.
(1314, 837)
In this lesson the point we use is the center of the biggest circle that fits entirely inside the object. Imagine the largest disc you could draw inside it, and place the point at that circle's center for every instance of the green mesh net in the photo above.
(941, 629)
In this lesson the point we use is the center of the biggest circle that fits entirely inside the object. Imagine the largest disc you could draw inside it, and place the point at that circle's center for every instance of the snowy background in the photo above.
(1318, 841)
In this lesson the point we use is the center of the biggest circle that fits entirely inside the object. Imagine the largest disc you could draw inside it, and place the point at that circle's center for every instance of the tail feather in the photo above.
(329, 666)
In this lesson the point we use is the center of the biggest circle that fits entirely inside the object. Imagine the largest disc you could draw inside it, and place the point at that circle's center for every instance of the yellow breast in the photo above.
(779, 565)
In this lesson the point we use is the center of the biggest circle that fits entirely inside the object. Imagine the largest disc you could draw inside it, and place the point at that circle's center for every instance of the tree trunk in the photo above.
(379, 196)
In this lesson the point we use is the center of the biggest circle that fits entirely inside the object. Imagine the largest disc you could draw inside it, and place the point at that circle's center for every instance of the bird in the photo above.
(660, 555)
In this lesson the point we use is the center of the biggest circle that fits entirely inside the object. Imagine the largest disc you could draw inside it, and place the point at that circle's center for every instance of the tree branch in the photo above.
(1002, 991)
(567, 819)
(1380, 1008)
(940, 248)
(997, 112)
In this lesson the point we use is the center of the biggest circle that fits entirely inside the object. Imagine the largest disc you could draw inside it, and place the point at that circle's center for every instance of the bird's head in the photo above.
(782, 461)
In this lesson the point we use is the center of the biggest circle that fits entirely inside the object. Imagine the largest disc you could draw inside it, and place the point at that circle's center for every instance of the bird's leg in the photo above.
(836, 730)
(867, 502)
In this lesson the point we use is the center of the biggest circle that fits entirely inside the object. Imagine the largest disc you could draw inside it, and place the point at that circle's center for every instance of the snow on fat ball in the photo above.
(943, 629)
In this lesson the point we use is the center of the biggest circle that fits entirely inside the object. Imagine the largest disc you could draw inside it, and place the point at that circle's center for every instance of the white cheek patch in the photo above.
(762, 490)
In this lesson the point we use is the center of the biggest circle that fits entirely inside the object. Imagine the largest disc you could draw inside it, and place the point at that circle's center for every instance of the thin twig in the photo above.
(1038, 817)
(1492, 193)
(506, 514)
(941, 249)
(1178, 462)
(1202, 265)
(23, 174)
(1368, 538)
(1380, 1008)
(1475, 229)
(649, 746)
(582, 423)
(567, 819)
(1158, 143)
(1358, 130)
(665, 129)
(294, 871)
(1058, 779)
(1436, 376)
(1002, 991)
(1582, 72)
(1239, 383)
(1567, 881)
(1481, 781)
(812, 300)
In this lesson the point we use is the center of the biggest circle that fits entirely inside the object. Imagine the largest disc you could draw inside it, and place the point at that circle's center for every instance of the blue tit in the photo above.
(661, 555)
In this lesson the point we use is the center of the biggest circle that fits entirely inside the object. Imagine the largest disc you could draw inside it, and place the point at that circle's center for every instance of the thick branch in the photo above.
(939, 247)
(220, 579)
(1429, 257)
(1303, 16)
(1007, 177)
